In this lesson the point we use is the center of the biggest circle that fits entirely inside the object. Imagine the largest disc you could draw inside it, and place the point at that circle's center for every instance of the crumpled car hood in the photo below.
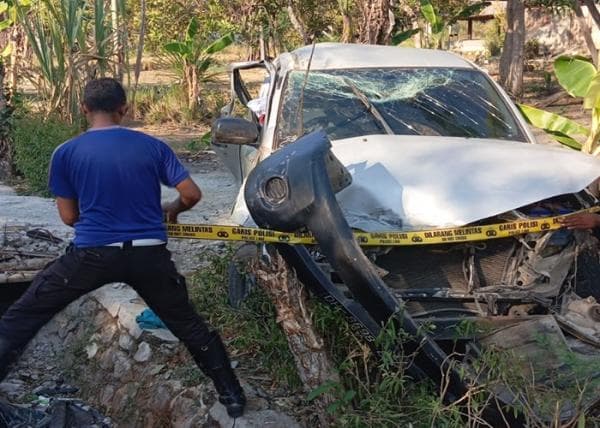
(414, 182)
(404, 182)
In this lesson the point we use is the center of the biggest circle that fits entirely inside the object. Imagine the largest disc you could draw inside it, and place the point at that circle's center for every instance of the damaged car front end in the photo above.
(385, 140)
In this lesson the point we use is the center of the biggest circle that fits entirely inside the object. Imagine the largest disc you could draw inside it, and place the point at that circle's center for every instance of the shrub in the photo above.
(34, 139)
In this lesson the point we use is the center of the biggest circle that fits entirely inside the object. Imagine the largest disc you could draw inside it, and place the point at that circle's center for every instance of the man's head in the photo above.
(104, 98)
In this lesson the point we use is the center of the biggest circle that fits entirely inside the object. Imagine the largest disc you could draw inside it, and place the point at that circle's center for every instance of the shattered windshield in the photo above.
(405, 101)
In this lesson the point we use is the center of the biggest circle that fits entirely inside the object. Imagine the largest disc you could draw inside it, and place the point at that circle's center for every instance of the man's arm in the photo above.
(581, 221)
(68, 209)
(189, 195)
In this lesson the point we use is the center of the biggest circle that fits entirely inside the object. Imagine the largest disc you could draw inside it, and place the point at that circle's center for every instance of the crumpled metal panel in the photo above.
(403, 182)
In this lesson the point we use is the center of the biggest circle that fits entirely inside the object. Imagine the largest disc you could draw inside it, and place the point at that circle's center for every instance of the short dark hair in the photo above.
(105, 94)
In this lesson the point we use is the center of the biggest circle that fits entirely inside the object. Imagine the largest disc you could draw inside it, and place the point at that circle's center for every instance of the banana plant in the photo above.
(580, 78)
(191, 58)
(438, 27)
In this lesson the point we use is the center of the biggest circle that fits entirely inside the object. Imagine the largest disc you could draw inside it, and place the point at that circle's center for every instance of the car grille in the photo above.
(447, 266)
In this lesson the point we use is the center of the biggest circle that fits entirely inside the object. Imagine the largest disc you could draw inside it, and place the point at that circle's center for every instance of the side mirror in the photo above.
(234, 130)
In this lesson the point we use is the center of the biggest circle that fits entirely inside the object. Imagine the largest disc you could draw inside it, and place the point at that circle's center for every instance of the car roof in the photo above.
(329, 56)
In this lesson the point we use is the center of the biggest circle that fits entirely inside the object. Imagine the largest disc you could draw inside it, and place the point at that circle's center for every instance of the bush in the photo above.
(34, 139)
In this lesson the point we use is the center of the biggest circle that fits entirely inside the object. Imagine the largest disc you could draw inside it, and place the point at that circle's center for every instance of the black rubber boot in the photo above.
(8, 354)
(214, 362)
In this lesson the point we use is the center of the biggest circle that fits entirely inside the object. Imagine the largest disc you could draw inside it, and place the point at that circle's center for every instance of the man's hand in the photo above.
(189, 195)
(581, 221)
(170, 212)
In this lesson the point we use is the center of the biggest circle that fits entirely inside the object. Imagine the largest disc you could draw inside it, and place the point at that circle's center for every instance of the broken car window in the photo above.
(413, 101)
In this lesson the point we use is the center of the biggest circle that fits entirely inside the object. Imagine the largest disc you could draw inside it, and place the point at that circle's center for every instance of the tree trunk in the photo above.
(5, 131)
(511, 61)
(288, 295)
(297, 22)
(374, 27)
(140, 51)
(347, 30)
(347, 35)
(118, 45)
(193, 92)
(586, 32)
(593, 11)
(14, 43)
(263, 53)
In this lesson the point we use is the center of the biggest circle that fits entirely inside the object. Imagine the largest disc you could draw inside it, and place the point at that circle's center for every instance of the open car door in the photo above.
(239, 159)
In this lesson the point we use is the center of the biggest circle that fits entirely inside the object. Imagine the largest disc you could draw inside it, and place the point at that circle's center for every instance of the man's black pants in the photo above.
(149, 270)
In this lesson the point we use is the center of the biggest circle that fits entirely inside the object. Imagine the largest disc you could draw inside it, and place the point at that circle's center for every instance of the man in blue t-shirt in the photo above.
(107, 186)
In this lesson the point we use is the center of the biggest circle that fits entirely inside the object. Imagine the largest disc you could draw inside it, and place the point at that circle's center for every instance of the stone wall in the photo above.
(139, 378)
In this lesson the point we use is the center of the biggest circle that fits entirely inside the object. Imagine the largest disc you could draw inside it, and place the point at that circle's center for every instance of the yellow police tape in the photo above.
(400, 238)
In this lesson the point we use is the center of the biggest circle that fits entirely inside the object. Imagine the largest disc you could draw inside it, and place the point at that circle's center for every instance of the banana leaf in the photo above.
(574, 74)
(219, 44)
(558, 127)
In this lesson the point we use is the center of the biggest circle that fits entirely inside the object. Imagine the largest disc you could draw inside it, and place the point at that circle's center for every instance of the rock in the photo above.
(127, 315)
(123, 399)
(91, 350)
(252, 418)
(107, 333)
(111, 296)
(43, 386)
(156, 369)
(106, 395)
(122, 370)
(161, 398)
(144, 353)
(12, 388)
(164, 335)
(126, 342)
(184, 413)
(106, 360)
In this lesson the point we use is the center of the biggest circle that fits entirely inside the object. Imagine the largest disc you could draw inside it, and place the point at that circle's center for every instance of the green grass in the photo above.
(378, 392)
(251, 330)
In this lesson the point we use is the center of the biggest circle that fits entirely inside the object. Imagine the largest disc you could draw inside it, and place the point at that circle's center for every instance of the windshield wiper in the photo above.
(370, 107)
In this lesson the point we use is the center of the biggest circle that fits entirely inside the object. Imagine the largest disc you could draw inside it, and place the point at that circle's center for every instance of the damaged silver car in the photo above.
(378, 139)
